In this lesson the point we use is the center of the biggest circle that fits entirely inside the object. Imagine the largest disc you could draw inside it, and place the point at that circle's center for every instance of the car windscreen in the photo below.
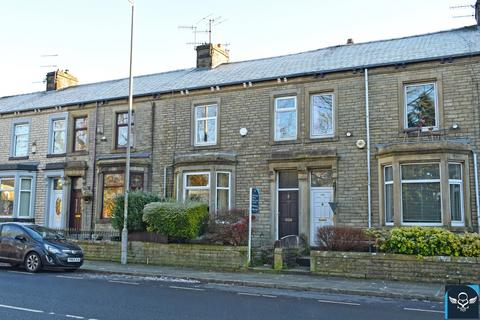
(45, 233)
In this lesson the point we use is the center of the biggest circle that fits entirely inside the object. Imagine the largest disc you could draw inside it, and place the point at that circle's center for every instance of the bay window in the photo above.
(388, 193)
(17, 190)
(114, 185)
(455, 186)
(197, 186)
(223, 191)
(7, 195)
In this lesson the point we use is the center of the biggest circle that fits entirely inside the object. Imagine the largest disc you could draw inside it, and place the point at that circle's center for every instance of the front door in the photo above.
(75, 217)
(321, 213)
(287, 203)
(55, 204)
(288, 213)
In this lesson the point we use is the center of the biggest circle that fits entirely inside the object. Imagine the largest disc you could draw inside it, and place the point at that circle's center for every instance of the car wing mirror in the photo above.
(21, 238)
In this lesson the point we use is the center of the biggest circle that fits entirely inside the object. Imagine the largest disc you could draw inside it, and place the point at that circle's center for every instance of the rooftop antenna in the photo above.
(211, 22)
(463, 6)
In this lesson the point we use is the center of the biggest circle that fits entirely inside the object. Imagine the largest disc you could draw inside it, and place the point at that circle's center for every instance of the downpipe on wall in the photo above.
(367, 123)
(477, 197)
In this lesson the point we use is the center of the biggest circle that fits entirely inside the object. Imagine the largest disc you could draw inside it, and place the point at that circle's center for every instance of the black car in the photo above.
(37, 247)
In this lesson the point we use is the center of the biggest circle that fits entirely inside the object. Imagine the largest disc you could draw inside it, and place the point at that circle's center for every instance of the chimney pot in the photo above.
(350, 41)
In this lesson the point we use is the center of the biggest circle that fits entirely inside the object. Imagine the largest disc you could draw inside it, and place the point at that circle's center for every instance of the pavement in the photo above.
(263, 278)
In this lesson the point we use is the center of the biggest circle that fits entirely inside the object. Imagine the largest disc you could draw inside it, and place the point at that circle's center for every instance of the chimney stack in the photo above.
(350, 40)
(211, 56)
(60, 79)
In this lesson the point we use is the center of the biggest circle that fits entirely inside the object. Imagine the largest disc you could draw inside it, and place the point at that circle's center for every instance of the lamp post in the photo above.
(127, 160)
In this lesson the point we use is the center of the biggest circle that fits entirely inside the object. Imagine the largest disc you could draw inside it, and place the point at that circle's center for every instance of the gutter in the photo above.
(367, 124)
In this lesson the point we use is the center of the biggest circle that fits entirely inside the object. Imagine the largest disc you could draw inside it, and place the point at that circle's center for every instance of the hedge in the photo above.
(176, 219)
(136, 202)
(426, 241)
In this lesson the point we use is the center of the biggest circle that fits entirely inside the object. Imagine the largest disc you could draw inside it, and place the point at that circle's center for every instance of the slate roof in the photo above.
(451, 43)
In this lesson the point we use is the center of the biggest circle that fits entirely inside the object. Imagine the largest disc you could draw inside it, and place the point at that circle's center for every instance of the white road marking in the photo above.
(74, 317)
(248, 294)
(124, 282)
(339, 302)
(187, 288)
(70, 277)
(422, 310)
(269, 296)
(21, 272)
(20, 308)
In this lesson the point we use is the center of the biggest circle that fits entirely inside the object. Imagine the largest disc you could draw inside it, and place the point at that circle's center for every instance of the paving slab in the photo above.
(279, 280)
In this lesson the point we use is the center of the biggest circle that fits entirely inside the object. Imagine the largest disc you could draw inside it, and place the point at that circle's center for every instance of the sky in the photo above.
(91, 38)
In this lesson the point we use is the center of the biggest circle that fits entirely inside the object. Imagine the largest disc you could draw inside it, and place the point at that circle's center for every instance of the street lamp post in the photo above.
(127, 160)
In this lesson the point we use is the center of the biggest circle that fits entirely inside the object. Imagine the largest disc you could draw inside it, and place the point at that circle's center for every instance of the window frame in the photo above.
(405, 105)
(385, 183)
(457, 223)
(102, 194)
(321, 136)
(439, 181)
(117, 127)
(229, 188)
(14, 139)
(17, 176)
(207, 187)
(76, 129)
(51, 133)
(275, 112)
(196, 143)
(20, 191)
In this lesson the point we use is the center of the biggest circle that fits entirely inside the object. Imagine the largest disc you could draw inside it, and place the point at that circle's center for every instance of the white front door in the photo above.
(55, 207)
(321, 213)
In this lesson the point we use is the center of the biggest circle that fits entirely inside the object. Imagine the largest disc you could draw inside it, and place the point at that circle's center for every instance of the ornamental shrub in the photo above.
(229, 227)
(342, 238)
(469, 244)
(136, 202)
(177, 220)
(421, 241)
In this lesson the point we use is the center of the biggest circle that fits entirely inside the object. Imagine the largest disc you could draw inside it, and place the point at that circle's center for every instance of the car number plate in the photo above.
(73, 259)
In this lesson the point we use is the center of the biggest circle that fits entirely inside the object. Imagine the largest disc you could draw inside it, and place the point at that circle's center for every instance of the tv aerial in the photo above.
(206, 24)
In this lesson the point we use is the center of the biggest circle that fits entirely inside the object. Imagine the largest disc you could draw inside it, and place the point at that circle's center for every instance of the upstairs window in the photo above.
(20, 140)
(121, 136)
(206, 125)
(80, 134)
(285, 118)
(58, 136)
(321, 115)
(421, 110)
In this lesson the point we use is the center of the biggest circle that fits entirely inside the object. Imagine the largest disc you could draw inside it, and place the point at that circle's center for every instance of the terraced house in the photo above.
(380, 134)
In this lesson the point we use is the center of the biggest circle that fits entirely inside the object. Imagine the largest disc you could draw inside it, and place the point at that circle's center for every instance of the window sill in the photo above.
(16, 219)
(322, 139)
(78, 153)
(56, 155)
(284, 142)
(123, 150)
(206, 147)
(18, 158)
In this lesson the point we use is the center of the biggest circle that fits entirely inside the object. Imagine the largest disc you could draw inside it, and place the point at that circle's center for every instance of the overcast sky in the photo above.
(91, 37)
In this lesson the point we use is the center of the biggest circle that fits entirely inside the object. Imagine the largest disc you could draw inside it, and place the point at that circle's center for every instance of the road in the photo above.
(56, 295)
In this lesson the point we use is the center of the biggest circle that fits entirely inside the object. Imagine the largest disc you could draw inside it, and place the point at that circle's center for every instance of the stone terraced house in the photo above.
(384, 133)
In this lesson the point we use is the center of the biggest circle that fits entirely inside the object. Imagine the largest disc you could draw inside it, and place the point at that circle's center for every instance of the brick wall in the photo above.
(395, 266)
(181, 255)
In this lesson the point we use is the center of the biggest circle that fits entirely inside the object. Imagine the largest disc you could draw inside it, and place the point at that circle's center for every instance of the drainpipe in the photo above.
(94, 173)
(367, 122)
(477, 197)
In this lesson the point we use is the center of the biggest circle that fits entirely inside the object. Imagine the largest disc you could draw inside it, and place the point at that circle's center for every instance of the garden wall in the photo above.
(395, 266)
(181, 255)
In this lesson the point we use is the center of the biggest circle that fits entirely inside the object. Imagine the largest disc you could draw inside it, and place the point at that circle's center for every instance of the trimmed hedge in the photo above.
(136, 202)
(425, 241)
(176, 219)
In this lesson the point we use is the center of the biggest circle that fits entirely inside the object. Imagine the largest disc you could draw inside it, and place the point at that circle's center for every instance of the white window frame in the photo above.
(223, 188)
(186, 188)
(405, 106)
(51, 135)
(20, 191)
(385, 183)
(276, 138)
(14, 142)
(329, 135)
(17, 176)
(439, 181)
(457, 223)
(206, 118)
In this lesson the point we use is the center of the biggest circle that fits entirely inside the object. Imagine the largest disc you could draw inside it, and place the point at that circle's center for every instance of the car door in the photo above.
(3, 247)
(13, 248)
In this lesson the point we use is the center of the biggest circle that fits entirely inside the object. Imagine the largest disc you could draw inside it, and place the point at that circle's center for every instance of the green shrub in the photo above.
(176, 219)
(136, 202)
(423, 241)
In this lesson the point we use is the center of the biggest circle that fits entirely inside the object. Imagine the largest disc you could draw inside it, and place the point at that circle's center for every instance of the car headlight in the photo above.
(52, 249)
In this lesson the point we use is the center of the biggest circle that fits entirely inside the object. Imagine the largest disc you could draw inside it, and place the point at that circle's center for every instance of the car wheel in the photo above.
(33, 263)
